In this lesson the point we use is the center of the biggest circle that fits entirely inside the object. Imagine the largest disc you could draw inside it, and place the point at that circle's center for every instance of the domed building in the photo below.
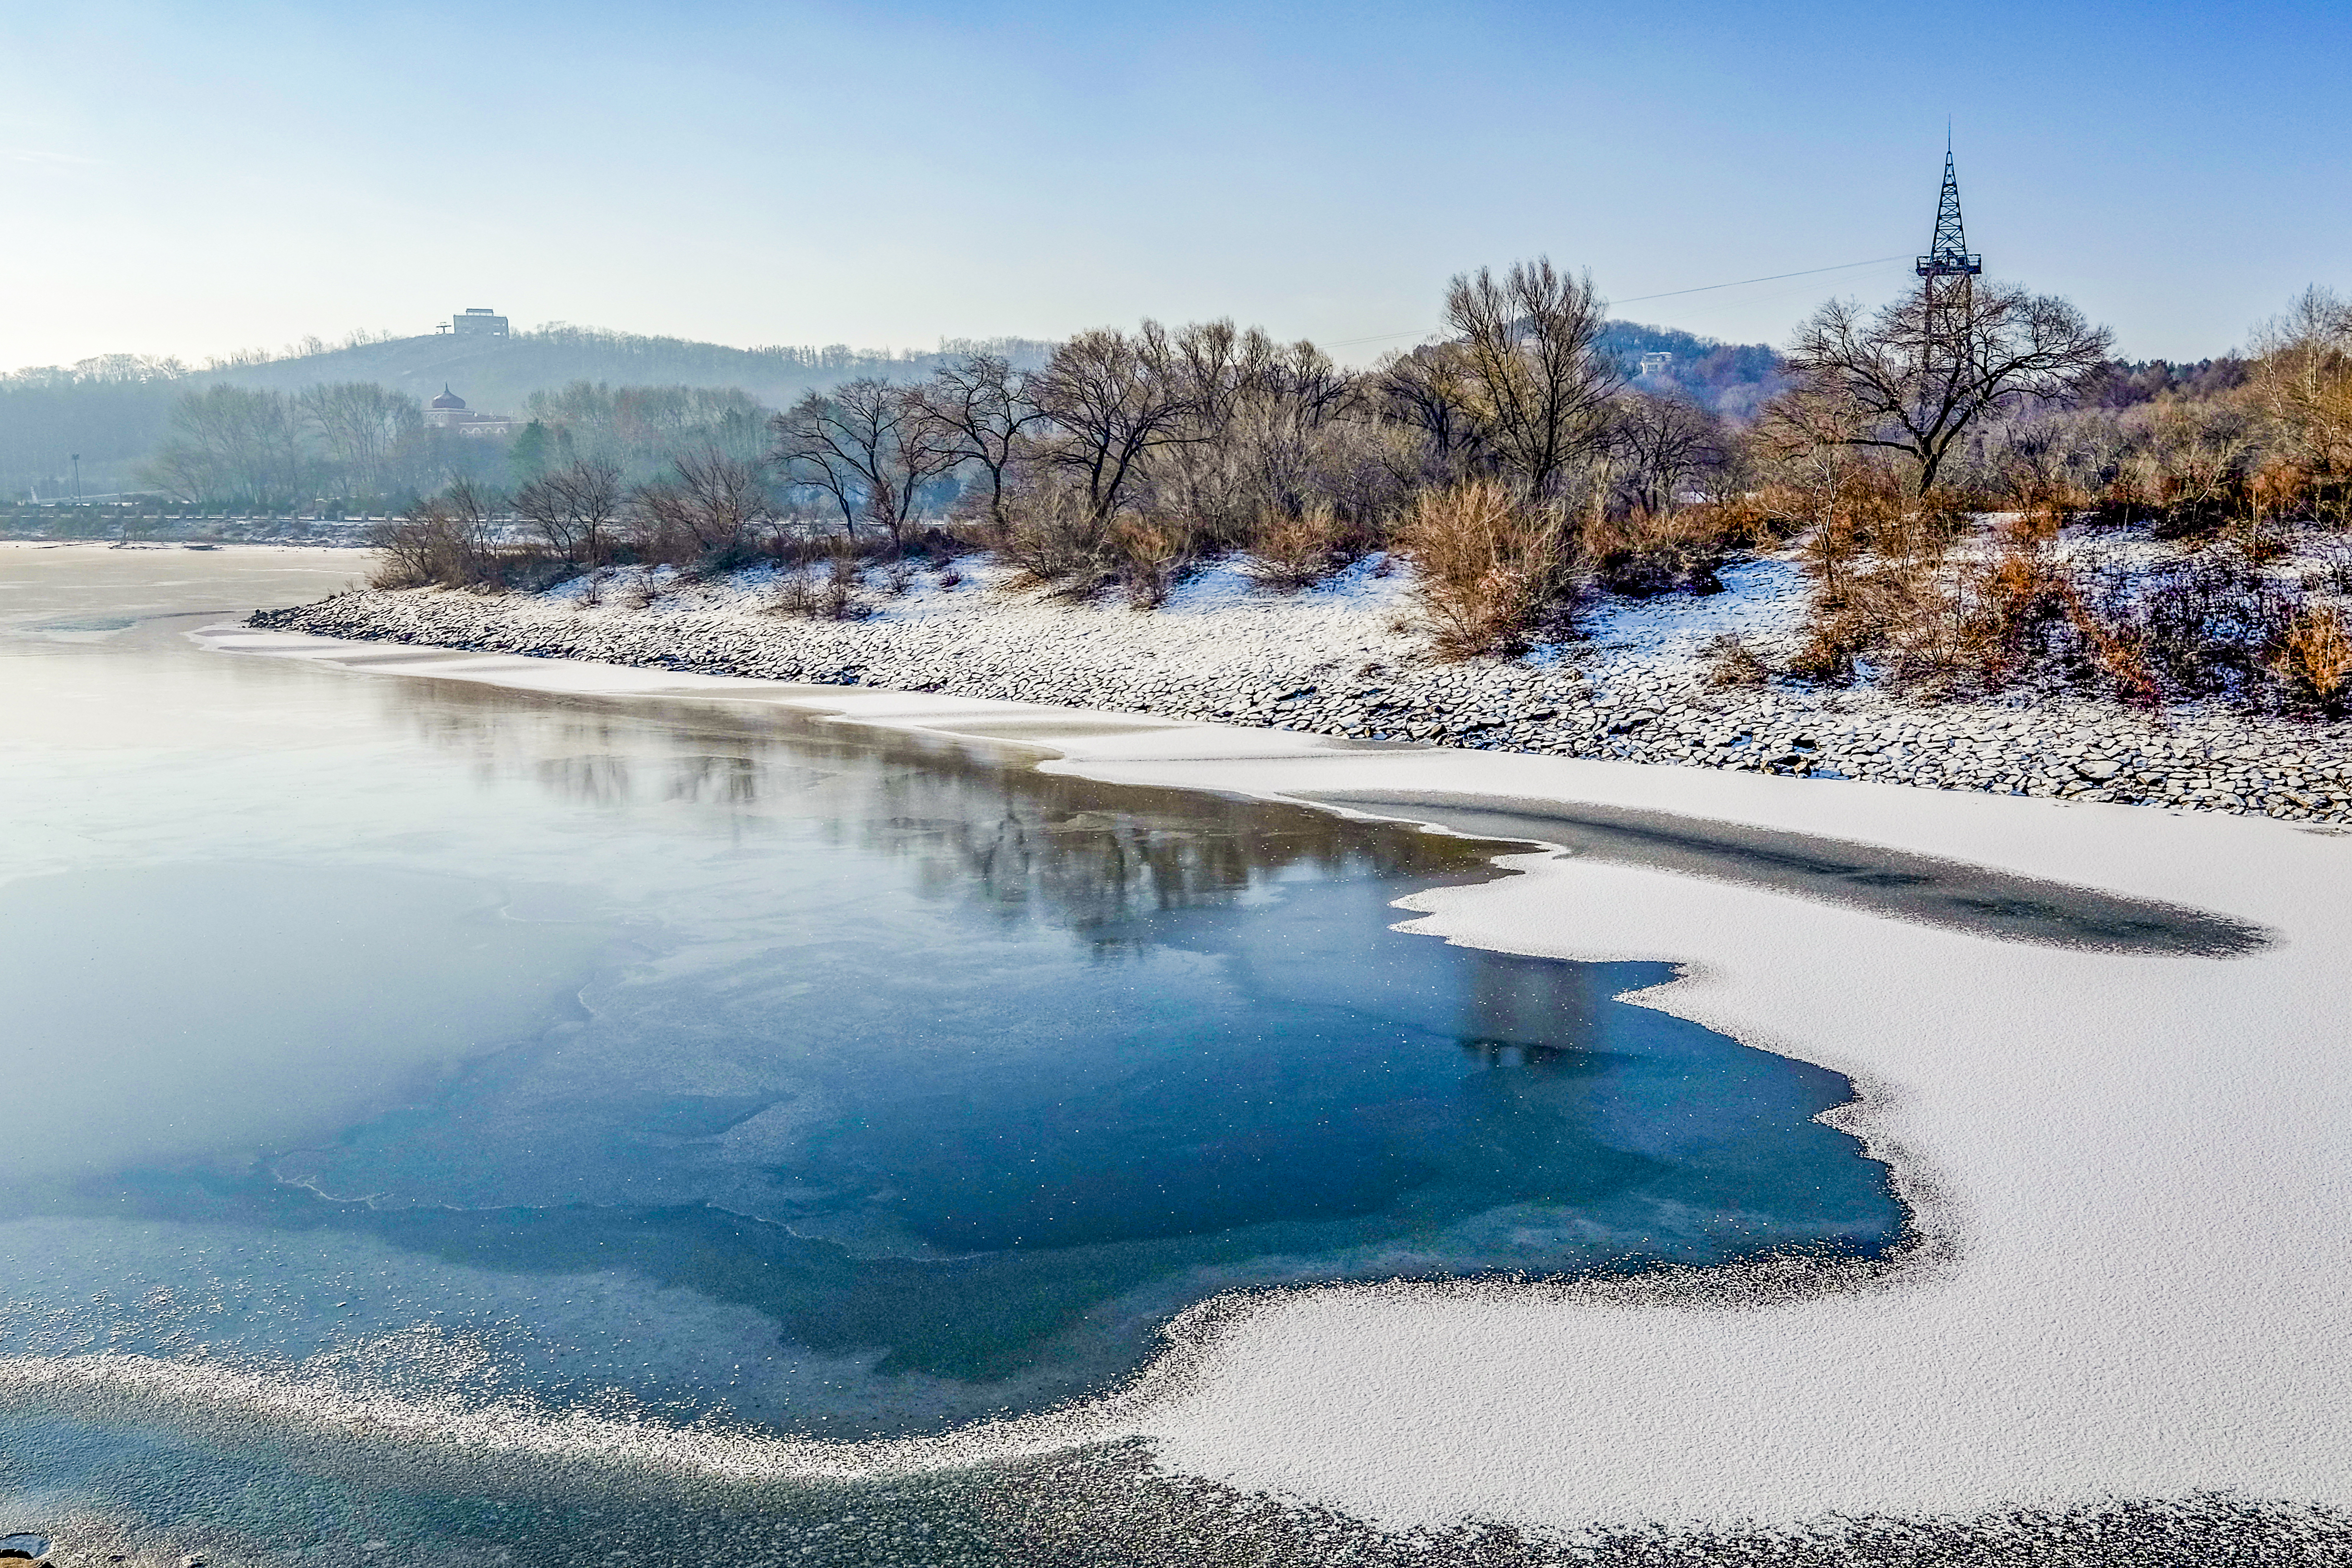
(448, 412)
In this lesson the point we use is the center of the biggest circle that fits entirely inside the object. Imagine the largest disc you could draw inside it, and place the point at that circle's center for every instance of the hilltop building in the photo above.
(476, 322)
(448, 412)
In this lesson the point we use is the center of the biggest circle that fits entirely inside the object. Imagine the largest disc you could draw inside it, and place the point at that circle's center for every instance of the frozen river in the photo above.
(673, 1064)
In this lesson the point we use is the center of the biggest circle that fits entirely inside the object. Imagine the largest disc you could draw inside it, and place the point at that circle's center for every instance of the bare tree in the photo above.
(1540, 387)
(234, 444)
(1285, 426)
(869, 445)
(1249, 439)
(710, 506)
(981, 405)
(361, 424)
(2303, 382)
(1429, 390)
(573, 507)
(1659, 442)
(1922, 370)
(1111, 399)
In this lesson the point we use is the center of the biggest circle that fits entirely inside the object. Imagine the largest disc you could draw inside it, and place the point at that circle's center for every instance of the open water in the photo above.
(689, 1068)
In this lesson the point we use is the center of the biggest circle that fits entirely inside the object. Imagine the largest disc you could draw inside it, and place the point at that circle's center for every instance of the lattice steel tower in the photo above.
(1947, 256)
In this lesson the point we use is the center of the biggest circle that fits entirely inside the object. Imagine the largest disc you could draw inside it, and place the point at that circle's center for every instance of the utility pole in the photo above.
(76, 463)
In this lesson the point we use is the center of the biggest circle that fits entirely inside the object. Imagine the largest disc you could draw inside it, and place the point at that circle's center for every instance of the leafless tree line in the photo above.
(242, 445)
(1220, 437)
(1510, 462)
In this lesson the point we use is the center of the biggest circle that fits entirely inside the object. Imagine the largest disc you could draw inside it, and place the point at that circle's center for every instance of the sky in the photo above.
(192, 179)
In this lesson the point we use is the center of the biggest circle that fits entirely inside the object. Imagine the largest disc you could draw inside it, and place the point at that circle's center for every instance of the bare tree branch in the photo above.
(1923, 369)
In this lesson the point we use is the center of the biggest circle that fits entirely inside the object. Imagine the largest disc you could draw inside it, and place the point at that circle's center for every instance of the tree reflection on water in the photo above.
(982, 823)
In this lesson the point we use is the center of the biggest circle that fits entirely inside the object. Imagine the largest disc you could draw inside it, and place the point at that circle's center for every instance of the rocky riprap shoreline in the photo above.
(1378, 688)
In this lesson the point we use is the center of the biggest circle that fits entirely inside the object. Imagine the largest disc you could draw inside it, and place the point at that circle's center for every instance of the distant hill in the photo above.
(1734, 379)
(115, 411)
(499, 374)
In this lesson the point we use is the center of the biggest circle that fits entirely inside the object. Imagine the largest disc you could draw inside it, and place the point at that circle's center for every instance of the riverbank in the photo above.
(1338, 661)
(2122, 1166)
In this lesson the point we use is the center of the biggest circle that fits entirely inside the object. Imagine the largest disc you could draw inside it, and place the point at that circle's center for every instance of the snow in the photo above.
(2129, 1172)
(1763, 602)
(1373, 589)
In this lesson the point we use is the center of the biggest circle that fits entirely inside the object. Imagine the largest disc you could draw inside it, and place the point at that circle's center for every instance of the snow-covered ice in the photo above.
(2129, 1173)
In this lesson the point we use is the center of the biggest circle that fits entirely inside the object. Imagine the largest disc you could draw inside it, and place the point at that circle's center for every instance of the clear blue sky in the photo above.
(190, 178)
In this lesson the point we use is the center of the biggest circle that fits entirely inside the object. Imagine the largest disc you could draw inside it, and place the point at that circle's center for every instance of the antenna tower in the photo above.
(1947, 255)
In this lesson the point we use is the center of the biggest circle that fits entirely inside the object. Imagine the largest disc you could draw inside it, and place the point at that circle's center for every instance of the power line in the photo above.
(1810, 271)
(1669, 294)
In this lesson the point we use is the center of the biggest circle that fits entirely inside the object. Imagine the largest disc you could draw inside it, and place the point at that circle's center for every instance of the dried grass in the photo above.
(1149, 558)
(1492, 574)
(1731, 662)
(1288, 553)
(2314, 656)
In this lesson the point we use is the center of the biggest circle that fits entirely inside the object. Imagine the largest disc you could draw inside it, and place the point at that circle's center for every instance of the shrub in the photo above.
(449, 541)
(822, 588)
(1492, 575)
(1648, 554)
(1050, 534)
(2007, 613)
(1149, 558)
(2207, 627)
(1288, 553)
(2314, 656)
(1731, 662)
(1857, 613)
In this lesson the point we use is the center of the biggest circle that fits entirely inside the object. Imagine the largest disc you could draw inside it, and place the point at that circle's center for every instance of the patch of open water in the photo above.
(680, 1059)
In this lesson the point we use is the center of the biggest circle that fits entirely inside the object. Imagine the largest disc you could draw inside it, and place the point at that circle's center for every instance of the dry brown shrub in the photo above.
(2036, 525)
(1051, 535)
(1287, 554)
(413, 552)
(1647, 553)
(2116, 654)
(1731, 662)
(1776, 512)
(1861, 611)
(1935, 630)
(450, 542)
(2005, 611)
(1148, 557)
(1491, 573)
(822, 588)
(2316, 655)
(1877, 559)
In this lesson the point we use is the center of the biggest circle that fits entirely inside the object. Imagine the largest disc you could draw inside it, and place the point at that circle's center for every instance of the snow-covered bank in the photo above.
(1334, 661)
(2128, 1168)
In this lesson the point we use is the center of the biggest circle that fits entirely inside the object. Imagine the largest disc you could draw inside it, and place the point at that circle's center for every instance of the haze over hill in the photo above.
(114, 410)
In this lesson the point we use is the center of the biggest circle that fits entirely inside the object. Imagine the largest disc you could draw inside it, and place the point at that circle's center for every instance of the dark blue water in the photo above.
(713, 1059)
